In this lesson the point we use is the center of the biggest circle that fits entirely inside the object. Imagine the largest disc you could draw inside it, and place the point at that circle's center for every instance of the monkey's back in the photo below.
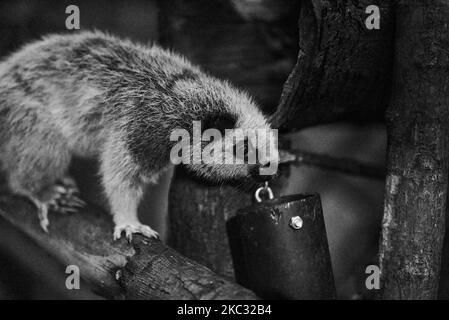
(85, 85)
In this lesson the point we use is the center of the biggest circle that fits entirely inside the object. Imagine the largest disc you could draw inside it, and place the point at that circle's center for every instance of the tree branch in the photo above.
(145, 269)
(345, 165)
(343, 70)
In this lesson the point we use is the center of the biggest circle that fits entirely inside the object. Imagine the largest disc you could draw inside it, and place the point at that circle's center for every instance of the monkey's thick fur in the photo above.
(96, 96)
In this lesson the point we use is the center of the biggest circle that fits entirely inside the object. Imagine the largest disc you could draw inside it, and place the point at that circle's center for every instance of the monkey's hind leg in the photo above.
(36, 163)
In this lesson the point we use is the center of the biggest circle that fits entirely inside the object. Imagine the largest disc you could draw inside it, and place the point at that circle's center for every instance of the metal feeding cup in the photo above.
(280, 250)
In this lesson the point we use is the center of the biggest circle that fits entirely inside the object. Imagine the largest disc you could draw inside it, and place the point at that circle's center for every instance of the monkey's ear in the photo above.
(219, 122)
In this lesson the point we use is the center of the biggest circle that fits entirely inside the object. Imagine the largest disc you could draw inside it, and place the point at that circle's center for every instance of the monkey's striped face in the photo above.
(235, 153)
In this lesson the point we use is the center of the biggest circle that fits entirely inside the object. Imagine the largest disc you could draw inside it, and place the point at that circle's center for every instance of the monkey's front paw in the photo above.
(129, 229)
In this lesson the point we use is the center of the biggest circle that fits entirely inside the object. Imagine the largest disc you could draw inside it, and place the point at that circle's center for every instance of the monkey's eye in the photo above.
(219, 122)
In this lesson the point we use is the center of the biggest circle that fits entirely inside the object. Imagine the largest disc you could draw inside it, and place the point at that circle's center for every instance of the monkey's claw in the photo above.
(65, 197)
(42, 213)
(61, 197)
(130, 229)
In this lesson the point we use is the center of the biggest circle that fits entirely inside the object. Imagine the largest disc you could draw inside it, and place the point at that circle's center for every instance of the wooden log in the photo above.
(343, 69)
(145, 269)
(418, 153)
(31, 273)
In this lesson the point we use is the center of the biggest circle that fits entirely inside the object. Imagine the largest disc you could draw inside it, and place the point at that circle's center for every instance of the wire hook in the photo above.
(265, 188)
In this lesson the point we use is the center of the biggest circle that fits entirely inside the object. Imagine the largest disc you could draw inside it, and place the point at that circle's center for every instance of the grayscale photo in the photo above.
(247, 151)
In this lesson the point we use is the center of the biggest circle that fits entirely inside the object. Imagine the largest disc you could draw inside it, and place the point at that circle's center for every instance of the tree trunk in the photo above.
(415, 200)
(343, 69)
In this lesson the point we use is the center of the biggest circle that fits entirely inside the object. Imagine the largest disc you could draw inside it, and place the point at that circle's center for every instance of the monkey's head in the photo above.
(230, 137)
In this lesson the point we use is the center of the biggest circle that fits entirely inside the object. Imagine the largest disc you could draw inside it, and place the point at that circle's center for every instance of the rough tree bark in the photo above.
(145, 269)
(343, 70)
(416, 188)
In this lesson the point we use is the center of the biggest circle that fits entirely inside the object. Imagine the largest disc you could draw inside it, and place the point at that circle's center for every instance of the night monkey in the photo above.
(93, 95)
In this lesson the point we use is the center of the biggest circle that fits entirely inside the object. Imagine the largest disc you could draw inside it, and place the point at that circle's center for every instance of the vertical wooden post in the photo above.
(197, 216)
(416, 186)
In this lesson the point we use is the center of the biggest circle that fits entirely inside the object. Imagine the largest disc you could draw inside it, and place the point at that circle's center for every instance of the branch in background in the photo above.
(146, 269)
(343, 70)
(351, 166)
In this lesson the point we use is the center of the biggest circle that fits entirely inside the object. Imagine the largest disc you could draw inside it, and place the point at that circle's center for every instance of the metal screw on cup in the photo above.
(296, 222)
